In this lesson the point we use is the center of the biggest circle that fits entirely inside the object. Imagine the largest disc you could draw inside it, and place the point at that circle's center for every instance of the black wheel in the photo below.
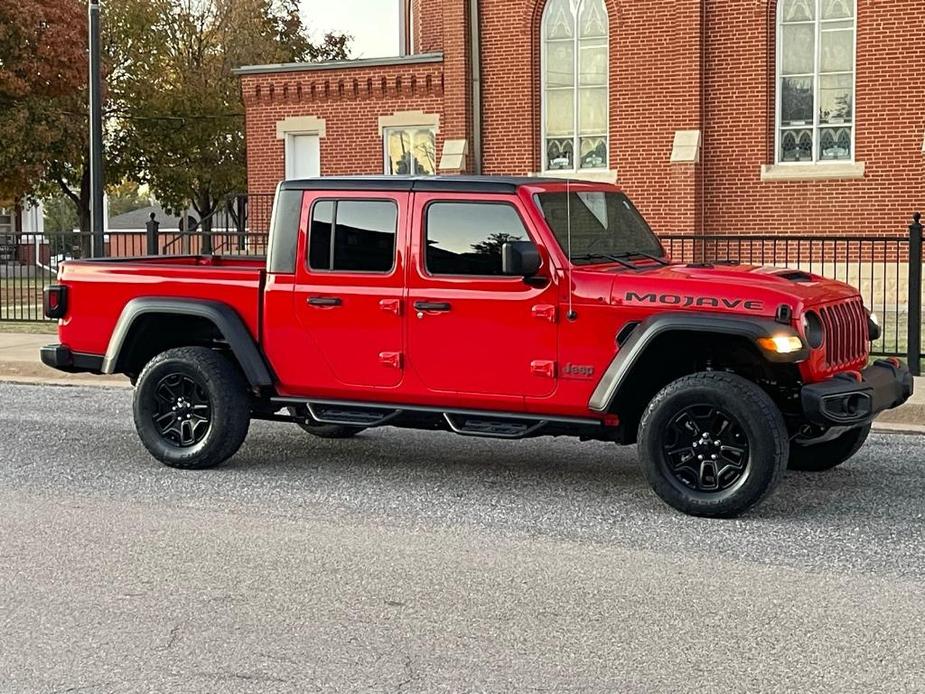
(192, 408)
(818, 457)
(325, 431)
(713, 444)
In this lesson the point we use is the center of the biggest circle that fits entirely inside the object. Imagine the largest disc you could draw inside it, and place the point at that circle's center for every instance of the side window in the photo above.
(465, 238)
(353, 235)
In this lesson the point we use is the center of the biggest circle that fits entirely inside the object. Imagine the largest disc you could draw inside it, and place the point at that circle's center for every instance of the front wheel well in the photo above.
(675, 354)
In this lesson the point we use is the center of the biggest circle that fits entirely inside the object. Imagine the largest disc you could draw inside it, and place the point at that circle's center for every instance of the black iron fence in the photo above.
(886, 269)
(29, 262)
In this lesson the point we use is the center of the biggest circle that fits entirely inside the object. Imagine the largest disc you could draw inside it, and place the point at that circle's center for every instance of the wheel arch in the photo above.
(150, 325)
(668, 346)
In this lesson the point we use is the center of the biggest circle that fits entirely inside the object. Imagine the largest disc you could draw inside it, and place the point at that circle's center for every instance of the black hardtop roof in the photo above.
(460, 184)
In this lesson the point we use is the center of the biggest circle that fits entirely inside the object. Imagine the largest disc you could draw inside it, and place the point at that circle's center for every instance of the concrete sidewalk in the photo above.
(19, 362)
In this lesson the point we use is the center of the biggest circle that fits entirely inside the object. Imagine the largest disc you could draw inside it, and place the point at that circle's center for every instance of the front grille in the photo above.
(845, 332)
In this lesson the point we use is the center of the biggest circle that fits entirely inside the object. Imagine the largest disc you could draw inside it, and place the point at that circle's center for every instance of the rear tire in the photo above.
(192, 408)
(713, 444)
(820, 457)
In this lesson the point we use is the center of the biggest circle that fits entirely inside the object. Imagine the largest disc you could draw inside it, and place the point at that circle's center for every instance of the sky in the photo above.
(373, 23)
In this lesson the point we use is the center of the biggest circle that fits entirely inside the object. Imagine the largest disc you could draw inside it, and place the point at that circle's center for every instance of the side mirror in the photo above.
(520, 258)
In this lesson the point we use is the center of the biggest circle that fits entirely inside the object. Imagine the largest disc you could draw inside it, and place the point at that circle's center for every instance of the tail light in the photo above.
(54, 300)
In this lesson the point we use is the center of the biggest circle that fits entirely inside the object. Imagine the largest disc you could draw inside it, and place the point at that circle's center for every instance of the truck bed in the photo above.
(98, 290)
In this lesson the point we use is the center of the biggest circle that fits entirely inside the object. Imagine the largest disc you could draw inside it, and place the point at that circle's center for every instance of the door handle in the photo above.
(324, 301)
(431, 306)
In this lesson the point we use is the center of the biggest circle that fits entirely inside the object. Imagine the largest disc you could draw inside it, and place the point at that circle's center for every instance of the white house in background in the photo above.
(136, 221)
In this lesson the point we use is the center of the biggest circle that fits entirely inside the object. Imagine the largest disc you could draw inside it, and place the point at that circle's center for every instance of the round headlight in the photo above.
(813, 329)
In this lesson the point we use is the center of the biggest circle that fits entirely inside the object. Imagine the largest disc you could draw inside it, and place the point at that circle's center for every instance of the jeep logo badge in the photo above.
(582, 371)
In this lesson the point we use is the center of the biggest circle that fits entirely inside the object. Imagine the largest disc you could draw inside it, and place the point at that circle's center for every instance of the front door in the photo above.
(470, 328)
(348, 294)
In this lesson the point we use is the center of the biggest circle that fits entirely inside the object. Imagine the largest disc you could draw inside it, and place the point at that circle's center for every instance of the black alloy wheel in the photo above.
(706, 448)
(713, 444)
(183, 412)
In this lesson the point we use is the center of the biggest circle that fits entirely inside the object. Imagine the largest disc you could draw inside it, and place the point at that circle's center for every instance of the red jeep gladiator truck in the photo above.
(486, 306)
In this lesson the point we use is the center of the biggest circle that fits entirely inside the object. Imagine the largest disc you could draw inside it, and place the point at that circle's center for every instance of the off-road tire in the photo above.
(758, 421)
(221, 384)
(820, 457)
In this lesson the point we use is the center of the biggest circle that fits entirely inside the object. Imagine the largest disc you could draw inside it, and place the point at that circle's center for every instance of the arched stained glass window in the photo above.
(575, 85)
(815, 80)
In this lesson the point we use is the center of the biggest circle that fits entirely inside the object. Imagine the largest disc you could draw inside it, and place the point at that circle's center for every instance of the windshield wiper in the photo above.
(640, 254)
(611, 258)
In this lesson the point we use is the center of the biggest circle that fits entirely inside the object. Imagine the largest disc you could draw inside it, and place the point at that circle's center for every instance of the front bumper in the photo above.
(61, 357)
(846, 401)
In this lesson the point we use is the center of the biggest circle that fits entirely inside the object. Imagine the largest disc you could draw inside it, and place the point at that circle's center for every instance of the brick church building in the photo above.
(717, 116)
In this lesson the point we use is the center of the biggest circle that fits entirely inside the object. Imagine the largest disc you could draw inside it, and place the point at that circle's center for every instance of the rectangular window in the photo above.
(815, 80)
(465, 238)
(353, 235)
(410, 151)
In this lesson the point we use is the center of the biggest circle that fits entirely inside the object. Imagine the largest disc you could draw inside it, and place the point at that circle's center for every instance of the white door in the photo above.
(303, 156)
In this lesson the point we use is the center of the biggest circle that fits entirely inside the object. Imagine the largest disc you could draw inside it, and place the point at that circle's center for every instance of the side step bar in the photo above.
(505, 425)
(350, 415)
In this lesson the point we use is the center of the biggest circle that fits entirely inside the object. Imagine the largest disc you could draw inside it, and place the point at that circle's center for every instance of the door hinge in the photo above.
(544, 312)
(390, 359)
(542, 368)
(391, 305)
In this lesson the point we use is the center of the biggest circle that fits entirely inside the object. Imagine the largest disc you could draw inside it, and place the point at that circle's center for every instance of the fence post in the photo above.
(915, 295)
(151, 229)
(241, 219)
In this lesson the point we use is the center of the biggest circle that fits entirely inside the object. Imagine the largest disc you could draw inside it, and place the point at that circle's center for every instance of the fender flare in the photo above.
(223, 316)
(629, 354)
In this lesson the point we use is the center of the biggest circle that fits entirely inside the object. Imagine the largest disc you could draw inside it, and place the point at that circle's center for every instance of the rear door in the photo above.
(472, 330)
(349, 287)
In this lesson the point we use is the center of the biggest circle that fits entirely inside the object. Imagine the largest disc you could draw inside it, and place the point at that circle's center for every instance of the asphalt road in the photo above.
(412, 562)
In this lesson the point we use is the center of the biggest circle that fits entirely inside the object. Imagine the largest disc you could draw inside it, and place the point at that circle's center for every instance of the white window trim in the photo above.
(576, 137)
(807, 171)
(778, 64)
(388, 128)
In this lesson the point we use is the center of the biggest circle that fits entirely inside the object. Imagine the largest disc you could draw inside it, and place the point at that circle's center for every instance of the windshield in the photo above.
(604, 226)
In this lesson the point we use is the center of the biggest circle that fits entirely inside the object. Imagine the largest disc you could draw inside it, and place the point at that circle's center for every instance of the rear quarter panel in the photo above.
(97, 292)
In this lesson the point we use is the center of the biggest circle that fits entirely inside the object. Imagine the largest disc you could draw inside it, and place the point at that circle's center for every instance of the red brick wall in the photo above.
(654, 91)
(349, 100)
(683, 64)
(739, 118)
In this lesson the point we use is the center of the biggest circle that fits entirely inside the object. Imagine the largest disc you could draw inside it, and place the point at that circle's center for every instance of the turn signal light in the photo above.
(781, 344)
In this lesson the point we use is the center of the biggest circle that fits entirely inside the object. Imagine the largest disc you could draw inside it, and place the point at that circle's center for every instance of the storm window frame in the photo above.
(575, 88)
(412, 131)
(816, 126)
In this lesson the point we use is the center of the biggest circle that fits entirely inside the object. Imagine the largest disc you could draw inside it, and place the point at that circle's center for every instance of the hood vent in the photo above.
(795, 276)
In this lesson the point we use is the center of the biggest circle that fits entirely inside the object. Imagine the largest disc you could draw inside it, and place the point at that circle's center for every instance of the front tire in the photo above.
(713, 444)
(192, 408)
(819, 457)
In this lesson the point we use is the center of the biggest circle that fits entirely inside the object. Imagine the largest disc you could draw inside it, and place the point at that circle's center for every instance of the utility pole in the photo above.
(96, 133)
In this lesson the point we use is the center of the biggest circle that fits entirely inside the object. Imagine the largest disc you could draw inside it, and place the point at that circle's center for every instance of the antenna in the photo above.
(571, 315)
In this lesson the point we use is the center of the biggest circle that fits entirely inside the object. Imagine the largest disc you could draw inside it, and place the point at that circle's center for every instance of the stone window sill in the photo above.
(812, 172)
(596, 176)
